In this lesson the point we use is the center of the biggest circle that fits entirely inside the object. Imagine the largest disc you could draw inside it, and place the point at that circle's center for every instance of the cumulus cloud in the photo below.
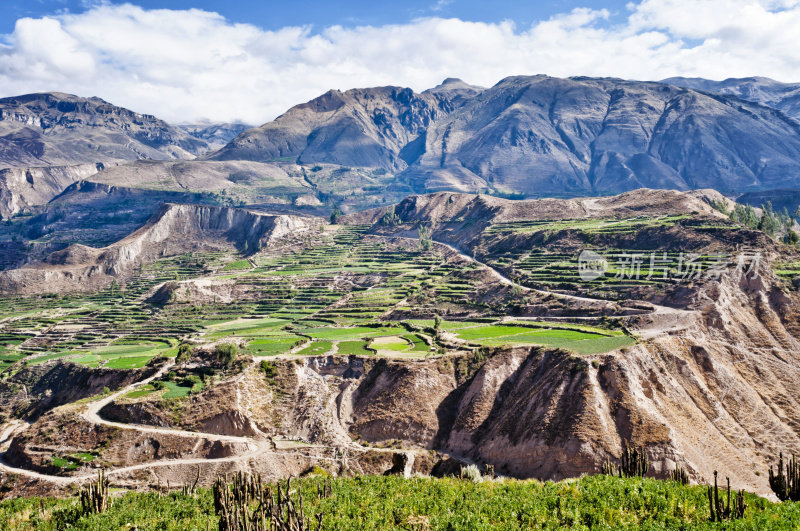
(194, 64)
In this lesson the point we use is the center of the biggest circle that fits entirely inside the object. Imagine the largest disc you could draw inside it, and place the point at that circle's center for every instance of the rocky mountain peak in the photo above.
(52, 128)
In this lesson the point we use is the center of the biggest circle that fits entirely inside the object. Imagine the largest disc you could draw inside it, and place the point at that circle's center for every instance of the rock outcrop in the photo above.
(174, 229)
(21, 188)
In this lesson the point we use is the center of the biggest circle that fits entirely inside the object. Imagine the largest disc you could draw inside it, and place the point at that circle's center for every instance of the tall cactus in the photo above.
(633, 462)
(680, 475)
(786, 485)
(281, 512)
(94, 497)
(719, 510)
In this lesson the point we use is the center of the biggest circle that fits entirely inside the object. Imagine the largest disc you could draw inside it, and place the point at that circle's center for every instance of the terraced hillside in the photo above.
(449, 328)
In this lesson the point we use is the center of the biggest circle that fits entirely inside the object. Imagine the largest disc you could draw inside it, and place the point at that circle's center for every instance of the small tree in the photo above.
(268, 368)
(184, 353)
(336, 214)
(769, 223)
(390, 218)
(226, 353)
(425, 239)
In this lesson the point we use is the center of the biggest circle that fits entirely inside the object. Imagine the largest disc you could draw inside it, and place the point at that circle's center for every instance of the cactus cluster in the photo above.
(720, 511)
(680, 475)
(187, 490)
(233, 503)
(786, 485)
(633, 462)
(325, 489)
(94, 497)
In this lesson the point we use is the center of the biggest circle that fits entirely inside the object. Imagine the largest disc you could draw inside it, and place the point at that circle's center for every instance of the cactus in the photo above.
(680, 475)
(187, 490)
(786, 486)
(281, 512)
(633, 462)
(719, 510)
(324, 489)
(94, 497)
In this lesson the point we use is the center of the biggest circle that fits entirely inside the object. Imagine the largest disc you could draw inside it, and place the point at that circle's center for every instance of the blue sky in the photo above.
(188, 60)
(322, 13)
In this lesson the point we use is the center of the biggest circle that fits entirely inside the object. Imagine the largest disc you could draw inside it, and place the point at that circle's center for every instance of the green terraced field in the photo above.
(787, 270)
(176, 391)
(142, 391)
(238, 264)
(346, 333)
(391, 343)
(602, 225)
(315, 348)
(582, 342)
(627, 270)
(128, 362)
(358, 348)
(246, 328)
(273, 346)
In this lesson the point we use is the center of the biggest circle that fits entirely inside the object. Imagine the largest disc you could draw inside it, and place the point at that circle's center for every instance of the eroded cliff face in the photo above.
(173, 230)
(717, 395)
(21, 188)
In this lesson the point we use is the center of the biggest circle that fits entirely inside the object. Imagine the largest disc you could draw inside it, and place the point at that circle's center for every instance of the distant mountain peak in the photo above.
(454, 84)
(52, 128)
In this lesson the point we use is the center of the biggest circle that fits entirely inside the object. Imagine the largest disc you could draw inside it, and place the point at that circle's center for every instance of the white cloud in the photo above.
(185, 65)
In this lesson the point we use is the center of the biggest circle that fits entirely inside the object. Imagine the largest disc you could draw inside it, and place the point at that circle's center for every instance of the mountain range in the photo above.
(527, 136)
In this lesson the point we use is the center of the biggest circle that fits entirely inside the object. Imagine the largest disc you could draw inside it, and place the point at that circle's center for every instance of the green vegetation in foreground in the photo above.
(378, 502)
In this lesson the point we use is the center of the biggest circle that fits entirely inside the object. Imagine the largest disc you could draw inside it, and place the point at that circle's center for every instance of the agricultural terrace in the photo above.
(545, 268)
(335, 296)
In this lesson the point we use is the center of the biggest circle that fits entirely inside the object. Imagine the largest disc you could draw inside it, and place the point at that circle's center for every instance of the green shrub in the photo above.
(268, 368)
(184, 353)
(226, 353)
